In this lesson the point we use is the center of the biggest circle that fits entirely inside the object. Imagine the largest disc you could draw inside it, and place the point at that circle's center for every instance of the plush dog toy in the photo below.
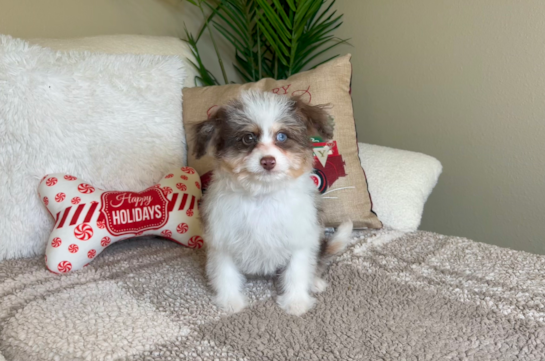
(87, 219)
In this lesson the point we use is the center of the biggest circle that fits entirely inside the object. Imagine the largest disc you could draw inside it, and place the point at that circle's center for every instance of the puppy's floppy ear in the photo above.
(315, 117)
(205, 133)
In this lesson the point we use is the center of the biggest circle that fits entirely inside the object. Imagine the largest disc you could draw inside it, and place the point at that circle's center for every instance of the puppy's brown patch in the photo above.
(315, 117)
(300, 163)
(222, 133)
(334, 247)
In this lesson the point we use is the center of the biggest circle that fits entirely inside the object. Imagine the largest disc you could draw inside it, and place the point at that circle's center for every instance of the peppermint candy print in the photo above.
(50, 182)
(195, 242)
(73, 248)
(44, 177)
(87, 228)
(56, 242)
(182, 228)
(60, 197)
(83, 232)
(64, 266)
(86, 188)
(104, 242)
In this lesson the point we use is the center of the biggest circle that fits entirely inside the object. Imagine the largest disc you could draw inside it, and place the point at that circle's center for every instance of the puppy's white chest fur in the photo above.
(261, 232)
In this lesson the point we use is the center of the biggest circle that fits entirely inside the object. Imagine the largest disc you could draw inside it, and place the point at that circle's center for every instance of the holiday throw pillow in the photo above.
(338, 173)
(87, 219)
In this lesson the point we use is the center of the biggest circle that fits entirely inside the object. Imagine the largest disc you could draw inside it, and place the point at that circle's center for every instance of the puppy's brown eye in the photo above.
(248, 139)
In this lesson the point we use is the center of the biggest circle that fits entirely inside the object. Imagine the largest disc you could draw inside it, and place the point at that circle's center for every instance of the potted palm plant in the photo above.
(271, 38)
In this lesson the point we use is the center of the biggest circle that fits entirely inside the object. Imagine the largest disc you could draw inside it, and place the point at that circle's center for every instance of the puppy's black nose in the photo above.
(268, 162)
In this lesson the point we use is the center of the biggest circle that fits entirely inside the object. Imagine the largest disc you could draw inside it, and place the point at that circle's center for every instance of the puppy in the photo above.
(260, 210)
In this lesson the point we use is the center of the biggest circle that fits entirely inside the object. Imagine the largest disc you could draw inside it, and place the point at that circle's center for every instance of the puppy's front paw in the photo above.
(231, 303)
(296, 304)
(318, 285)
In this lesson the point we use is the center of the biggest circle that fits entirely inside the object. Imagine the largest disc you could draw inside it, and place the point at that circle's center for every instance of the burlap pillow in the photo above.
(344, 187)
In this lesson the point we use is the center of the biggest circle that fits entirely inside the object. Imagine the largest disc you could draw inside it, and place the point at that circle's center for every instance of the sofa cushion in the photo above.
(400, 182)
(127, 44)
(112, 119)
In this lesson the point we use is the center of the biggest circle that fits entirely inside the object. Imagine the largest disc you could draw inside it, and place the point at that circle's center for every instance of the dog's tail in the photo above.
(337, 243)
(330, 248)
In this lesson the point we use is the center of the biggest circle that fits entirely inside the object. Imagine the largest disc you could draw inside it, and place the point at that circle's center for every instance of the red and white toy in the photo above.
(87, 219)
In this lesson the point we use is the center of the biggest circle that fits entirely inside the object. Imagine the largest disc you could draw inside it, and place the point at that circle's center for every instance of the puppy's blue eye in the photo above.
(281, 137)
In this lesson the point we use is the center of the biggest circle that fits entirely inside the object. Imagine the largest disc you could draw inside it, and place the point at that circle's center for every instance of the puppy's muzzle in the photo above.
(268, 162)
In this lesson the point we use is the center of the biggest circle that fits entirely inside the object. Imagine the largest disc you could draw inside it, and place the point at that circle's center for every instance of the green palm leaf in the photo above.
(205, 78)
(271, 38)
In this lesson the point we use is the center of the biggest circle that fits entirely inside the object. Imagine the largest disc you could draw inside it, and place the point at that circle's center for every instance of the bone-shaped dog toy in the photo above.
(87, 219)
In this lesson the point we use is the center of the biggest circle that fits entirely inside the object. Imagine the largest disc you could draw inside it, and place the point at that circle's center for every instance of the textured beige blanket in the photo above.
(419, 296)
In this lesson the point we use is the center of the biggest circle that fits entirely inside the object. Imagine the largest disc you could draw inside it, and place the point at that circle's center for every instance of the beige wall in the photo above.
(461, 80)
(78, 18)
(74, 18)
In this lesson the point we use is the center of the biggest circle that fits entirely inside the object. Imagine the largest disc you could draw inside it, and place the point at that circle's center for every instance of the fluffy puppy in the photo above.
(260, 210)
